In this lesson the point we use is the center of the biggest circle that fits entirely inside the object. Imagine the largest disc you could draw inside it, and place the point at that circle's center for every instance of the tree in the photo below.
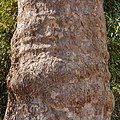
(59, 68)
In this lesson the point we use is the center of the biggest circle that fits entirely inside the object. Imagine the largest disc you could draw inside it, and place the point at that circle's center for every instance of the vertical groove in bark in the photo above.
(59, 62)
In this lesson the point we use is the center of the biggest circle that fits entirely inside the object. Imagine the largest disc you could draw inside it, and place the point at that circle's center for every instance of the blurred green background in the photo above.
(8, 18)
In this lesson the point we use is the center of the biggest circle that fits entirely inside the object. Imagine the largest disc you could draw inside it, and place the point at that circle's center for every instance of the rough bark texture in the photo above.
(59, 62)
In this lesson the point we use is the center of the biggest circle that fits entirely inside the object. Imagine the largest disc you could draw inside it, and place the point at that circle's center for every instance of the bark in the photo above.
(59, 68)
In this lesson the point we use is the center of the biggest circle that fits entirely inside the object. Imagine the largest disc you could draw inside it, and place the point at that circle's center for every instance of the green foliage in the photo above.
(112, 12)
(8, 13)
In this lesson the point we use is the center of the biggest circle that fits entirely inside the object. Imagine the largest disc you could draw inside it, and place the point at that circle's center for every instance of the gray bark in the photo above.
(59, 68)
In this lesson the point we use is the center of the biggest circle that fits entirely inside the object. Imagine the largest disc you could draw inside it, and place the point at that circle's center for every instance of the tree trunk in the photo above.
(59, 68)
